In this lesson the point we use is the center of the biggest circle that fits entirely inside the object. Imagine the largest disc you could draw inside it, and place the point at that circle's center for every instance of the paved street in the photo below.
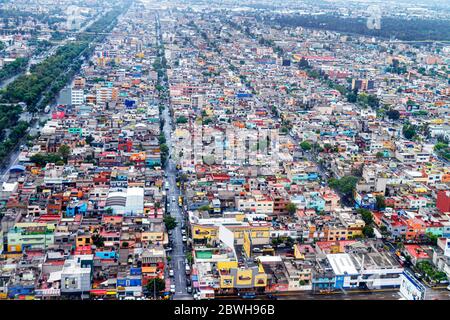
(431, 294)
(178, 253)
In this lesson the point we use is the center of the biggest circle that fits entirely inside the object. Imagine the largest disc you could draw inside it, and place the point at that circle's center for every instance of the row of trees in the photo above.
(15, 134)
(403, 29)
(46, 79)
(59, 158)
(442, 148)
(13, 68)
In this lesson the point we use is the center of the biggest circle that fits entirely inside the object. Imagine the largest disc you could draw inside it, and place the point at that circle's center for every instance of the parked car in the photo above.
(189, 289)
(172, 288)
(248, 295)
(257, 250)
(171, 274)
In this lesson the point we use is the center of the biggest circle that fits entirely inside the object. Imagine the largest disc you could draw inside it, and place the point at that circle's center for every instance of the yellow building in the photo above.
(234, 277)
(333, 233)
(203, 233)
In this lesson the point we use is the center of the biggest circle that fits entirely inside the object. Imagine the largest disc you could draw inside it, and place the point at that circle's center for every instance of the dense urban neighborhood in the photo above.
(196, 150)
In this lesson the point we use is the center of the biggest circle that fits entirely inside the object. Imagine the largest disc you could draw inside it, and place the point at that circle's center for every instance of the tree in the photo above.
(303, 64)
(381, 204)
(379, 154)
(432, 238)
(366, 215)
(41, 159)
(368, 231)
(291, 208)
(109, 210)
(98, 240)
(373, 101)
(206, 207)
(305, 145)
(155, 285)
(164, 148)
(170, 222)
(393, 114)
(345, 185)
(409, 131)
(189, 257)
(352, 97)
(182, 119)
(64, 152)
(89, 139)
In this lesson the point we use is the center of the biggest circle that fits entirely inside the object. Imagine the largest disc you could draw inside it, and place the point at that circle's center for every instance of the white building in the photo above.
(77, 97)
(76, 277)
(370, 268)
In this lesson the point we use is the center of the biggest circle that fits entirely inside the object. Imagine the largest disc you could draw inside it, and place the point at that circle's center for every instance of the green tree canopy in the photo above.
(291, 208)
(345, 185)
(306, 145)
(170, 222)
(155, 285)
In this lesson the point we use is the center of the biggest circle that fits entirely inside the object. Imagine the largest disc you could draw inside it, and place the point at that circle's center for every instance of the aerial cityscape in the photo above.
(224, 150)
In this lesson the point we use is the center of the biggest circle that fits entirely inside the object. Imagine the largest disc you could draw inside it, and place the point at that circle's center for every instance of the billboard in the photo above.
(247, 244)
(411, 288)
(226, 236)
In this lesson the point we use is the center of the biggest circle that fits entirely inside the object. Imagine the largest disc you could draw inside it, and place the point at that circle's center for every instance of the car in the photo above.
(189, 289)
(168, 249)
(188, 282)
(257, 250)
(418, 275)
(171, 273)
(448, 287)
(172, 288)
(184, 239)
(183, 232)
(281, 245)
(248, 295)
(267, 246)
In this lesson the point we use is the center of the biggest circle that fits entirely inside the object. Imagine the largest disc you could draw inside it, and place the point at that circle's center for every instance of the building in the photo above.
(30, 235)
(76, 275)
(77, 96)
(443, 201)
